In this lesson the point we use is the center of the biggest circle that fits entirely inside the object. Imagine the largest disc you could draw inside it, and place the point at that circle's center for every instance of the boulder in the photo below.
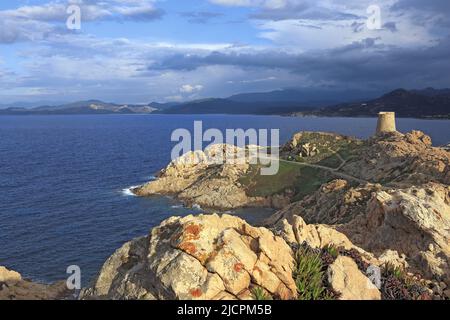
(9, 276)
(198, 257)
(345, 278)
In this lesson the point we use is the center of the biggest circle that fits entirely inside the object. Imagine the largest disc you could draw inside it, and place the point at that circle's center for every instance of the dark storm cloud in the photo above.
(391, 26)
(364, 62)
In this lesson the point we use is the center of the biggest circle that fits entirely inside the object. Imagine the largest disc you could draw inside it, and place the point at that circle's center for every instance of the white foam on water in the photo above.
(177, 206)
(196, 206)
(127, 191)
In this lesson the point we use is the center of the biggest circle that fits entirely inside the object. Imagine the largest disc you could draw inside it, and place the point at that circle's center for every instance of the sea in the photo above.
(65, 181)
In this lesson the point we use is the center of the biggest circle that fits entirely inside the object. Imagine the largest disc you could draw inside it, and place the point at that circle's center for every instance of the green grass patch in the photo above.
(261, 186)
(332, 161)
(301, 179)
(328, 146)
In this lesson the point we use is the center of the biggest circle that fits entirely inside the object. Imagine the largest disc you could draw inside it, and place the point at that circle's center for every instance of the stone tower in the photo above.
(386, 122)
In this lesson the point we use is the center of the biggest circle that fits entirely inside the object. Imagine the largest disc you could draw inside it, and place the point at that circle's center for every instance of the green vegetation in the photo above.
(260, 294)
(302, 180)
(309, 275)
(328, 145)
(294, 173)
(398, 285)
(332, 250)
(309, 181)
(397, 272)
(333, 161)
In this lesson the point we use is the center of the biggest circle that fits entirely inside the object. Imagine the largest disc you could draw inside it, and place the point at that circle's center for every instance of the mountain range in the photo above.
(425, 103)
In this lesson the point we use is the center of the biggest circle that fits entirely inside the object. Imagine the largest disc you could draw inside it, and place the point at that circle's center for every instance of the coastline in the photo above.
(334, 202)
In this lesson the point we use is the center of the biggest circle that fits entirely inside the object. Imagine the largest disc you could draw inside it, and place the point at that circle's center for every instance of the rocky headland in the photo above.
(357, 219)
(348, 208)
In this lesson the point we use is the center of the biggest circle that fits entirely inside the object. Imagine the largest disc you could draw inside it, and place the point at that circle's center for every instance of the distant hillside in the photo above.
(283, 101)
(81, 107)
(227, 106)
(426, 103)
(306, 97)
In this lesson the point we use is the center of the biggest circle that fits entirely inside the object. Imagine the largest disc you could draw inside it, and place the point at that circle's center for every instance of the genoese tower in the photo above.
(386, 122)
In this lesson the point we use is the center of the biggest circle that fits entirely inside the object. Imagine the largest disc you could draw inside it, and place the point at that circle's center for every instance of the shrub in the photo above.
(309, 275)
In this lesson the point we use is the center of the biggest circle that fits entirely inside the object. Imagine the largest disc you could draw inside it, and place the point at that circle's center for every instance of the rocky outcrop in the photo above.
(414, 221)
(202, 178)
(334, 203)
(391, 159)
(14, 287)
(310, 144)
(213, 257)
(406, 227)
(198, 257)
(400, 160)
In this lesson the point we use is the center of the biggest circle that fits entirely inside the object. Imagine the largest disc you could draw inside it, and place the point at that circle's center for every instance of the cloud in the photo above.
(365, 63)
(187, 88)
(38, 22)
(286, 43)
(201, 17)
(277, 10)
(55, 11)
(432, 14)
(302, 11)
(442, 6)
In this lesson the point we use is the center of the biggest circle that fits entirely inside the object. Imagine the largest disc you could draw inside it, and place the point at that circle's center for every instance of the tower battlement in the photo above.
(386, 122)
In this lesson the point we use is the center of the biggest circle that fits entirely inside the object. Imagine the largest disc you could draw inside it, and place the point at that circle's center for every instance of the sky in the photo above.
(138, 51)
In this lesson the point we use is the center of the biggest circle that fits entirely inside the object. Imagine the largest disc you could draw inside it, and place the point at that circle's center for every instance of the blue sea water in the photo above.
(63, 181)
